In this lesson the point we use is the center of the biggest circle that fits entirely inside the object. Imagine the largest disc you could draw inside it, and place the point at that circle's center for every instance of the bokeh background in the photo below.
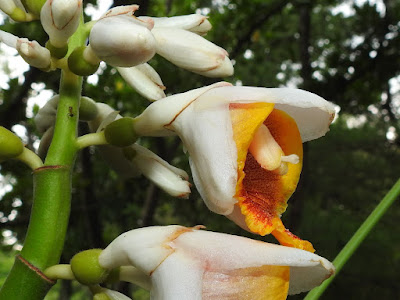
(346, 51)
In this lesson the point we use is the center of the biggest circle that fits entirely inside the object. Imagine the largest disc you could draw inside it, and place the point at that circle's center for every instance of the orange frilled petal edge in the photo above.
(262, 195)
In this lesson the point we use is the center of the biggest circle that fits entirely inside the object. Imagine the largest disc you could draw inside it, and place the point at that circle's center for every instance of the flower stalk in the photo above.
(356, 240)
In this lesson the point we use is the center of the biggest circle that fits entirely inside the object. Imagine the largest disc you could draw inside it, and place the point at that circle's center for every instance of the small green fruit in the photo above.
(86, 267)
(121, 132)
(78, 65)
(57, 52)
(10, 145)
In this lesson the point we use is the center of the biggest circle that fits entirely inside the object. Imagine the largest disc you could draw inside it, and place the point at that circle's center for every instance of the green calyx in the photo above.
(57, 52)
(121, 132)
(10, 145)
(86, 267)
(78, 65)
(33, 6)
(87, 109)
(101, 296)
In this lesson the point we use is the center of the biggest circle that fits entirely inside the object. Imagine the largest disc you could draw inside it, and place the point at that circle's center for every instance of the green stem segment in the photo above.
(357, 239)
(45, 237)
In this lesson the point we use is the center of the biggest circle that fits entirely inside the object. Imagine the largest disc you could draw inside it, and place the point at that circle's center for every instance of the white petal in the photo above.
(143, 84)
(229, 252)
(188, 50)
(312, 113)
(208, 137)
(114, 295)
(151, 73)
(225, 68)
(142, 248)
(178, 277)
(156, 118)
(161, 173)
(34, 54)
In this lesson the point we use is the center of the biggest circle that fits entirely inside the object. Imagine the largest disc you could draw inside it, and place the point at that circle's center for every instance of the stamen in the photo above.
(265, 149)
(292, 158)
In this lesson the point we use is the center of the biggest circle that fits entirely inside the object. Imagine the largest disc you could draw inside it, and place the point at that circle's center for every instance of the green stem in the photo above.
(45, 237)
(357, 239)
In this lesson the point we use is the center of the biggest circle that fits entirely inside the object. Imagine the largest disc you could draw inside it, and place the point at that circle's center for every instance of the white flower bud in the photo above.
(121, 39)
(46, 117)
(145, 80)
(192, 52)
(60, 19)
(195, 23)
(8, 39)
(34, 54)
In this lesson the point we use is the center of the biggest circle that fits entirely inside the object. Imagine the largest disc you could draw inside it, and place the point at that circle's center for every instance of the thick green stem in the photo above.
(357, 239)
(48, 224)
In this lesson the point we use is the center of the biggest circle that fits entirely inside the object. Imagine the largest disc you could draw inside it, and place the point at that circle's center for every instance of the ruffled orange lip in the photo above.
(262, 195)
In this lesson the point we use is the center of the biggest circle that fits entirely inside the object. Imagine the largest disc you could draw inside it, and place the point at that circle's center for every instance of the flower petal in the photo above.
(312, 113)
(157, 118)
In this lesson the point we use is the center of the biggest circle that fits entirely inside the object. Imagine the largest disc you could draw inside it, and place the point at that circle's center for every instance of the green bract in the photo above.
(10, 145)
(86, 268)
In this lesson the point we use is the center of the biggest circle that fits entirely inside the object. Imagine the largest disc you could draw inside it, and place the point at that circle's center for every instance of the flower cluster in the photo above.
(244, 143)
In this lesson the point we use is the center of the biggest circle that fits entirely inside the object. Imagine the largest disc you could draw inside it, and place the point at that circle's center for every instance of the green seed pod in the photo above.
(88, 109)
(78, 65)
(11, 146)
(57, 52)
(121, 132)
(86, 268)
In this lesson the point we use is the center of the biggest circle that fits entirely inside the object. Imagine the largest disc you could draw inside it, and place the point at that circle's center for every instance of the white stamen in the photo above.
(292, 158)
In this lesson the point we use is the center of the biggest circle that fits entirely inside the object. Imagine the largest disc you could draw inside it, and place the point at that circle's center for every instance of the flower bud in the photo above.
(86, 268)
(121, 39)
(15, 10)
(60, 19)
(145, 80)
(34, 54)
(10, 145)
(192, 52)
(195, 23)
(121, 132)
(79, 63)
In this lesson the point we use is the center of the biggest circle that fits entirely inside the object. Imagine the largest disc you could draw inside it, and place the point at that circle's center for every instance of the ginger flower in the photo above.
(245, 147)
(188, 263)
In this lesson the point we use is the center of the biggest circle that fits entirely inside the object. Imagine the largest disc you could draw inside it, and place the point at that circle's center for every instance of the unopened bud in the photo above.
(192, 52)
(10, 145)
(34, 54)
(86, 268)
(80, 65)
(122, 40)
(121, 132)
(60, 19)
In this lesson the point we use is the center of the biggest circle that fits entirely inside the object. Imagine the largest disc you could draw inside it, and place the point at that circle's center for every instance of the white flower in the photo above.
(60, 19)
(8, 6)
(187, 263)
(145, 80)
(245, 147)
(172, 180)
(190, 51)
(121, 39)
